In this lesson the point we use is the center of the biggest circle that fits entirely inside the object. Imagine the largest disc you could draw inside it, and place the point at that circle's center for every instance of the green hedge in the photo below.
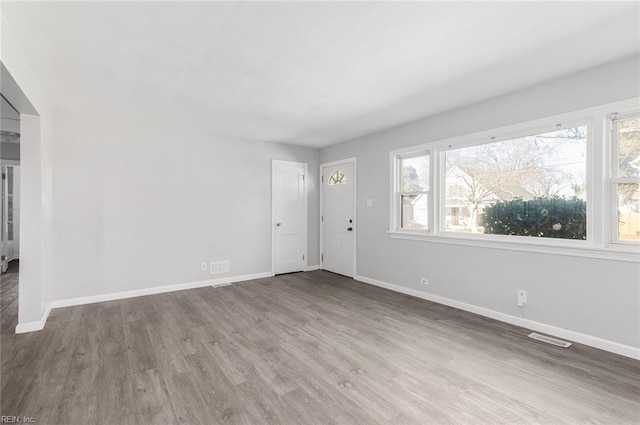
(549, 217)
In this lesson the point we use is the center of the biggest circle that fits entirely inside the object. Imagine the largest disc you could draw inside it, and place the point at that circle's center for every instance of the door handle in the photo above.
(349, 229)
(278, 224)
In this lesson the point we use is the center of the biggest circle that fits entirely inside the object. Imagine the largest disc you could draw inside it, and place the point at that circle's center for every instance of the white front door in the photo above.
(338, 217)
(289, 216)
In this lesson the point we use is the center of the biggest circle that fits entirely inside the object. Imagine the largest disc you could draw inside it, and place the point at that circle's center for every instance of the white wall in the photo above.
(140, 205)
(23, 89)
(30, 289)
(595, 297)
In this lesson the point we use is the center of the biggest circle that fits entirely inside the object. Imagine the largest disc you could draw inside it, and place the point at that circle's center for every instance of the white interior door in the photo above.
(338, 218)
(289, 216)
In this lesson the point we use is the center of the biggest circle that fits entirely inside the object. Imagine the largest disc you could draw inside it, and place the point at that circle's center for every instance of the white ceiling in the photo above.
(310, 74)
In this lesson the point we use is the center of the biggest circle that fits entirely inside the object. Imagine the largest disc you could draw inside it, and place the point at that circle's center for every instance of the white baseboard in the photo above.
(311, 268)
(222, 281)
(34, 326)
(593, 341)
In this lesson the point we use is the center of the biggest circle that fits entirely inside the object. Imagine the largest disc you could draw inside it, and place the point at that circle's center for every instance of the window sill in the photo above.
(571, 248)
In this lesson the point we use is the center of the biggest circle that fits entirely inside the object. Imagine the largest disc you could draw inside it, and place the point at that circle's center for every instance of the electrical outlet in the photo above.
(522, 297)
(424, 280)
(203, 267)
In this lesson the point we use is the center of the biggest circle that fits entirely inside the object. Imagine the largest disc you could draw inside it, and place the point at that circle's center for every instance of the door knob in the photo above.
(350, 229)
(278, 224)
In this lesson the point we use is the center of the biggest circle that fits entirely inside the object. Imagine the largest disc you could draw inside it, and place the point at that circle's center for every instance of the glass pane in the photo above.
(414, 211)
(415, 174)
(628, 147)
(10, 180)
(628, 211)
(337, 177)
(529, 186)
(10, 217)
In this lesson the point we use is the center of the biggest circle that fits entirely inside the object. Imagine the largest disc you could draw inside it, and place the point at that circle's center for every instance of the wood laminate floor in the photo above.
(9, 299)
(306, 348)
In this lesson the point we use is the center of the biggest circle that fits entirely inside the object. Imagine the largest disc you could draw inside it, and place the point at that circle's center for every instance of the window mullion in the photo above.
(436, 199)
(596, 176)
(397, 219)
(619, 180)
(425, 192)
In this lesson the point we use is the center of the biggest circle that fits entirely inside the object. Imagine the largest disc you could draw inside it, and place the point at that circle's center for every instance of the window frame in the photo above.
(614, 179)
(598, 192)
(397, 193)
(511, 136)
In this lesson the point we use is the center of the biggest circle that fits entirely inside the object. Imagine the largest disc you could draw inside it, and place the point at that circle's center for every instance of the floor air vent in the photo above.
(549, 340)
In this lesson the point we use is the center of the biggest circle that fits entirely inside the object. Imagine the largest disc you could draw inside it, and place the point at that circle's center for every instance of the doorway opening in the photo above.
(9, 214)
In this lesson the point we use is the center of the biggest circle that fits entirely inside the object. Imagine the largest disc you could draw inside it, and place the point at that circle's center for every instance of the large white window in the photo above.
(534, 185)
(546, 186)
(625, 146)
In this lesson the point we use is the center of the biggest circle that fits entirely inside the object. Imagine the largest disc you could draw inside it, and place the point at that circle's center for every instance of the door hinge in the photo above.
(303, 177)
(322, 256)
(4, 176)
(303, 256)
(322, 218)
(322, 177)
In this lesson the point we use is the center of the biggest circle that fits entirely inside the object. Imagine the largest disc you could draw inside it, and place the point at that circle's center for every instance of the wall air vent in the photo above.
(549, 340)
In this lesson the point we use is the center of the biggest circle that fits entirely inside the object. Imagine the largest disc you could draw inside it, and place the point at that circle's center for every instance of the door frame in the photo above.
(34, 285)
(274, 163)
(324, 165)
